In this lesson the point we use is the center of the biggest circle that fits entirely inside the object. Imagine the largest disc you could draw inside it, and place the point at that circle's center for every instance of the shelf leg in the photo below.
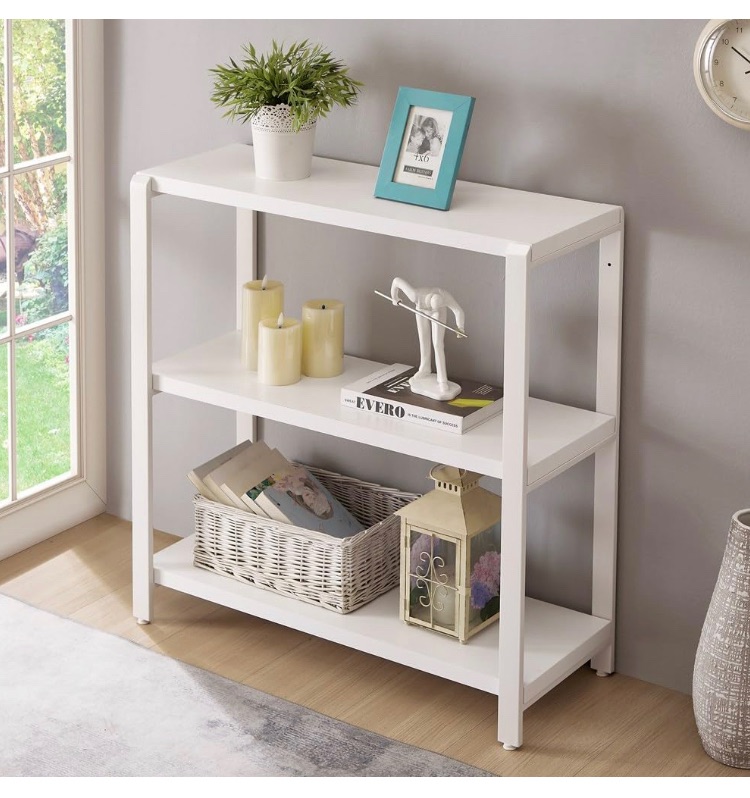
(513, 522)
(606, 459)
(247, 269)
(141, 392)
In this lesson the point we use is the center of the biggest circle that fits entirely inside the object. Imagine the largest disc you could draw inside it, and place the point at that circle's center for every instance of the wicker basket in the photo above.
(340, 575)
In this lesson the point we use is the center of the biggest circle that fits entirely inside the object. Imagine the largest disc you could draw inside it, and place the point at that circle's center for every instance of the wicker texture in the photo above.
(721, 677)
(340, 575)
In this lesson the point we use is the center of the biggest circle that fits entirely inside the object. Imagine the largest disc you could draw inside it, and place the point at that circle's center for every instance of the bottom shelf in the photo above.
(557, 640)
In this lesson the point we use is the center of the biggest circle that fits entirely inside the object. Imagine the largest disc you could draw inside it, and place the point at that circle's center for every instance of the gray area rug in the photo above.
(75, 701)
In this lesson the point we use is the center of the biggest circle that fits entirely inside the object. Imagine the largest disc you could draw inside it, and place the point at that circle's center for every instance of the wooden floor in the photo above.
(587, 726)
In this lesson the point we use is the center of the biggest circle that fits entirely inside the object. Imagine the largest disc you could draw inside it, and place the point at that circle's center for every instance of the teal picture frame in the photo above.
(409, 172)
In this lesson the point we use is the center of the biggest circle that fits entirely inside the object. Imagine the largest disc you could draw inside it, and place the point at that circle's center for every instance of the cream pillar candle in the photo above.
(279, 351)
(323, 338)
(261, 299)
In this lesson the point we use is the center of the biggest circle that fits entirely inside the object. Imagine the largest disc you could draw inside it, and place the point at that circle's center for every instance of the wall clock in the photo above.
(721, 64)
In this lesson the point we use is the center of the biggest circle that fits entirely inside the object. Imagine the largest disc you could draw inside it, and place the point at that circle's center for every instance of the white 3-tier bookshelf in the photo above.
(535, 645)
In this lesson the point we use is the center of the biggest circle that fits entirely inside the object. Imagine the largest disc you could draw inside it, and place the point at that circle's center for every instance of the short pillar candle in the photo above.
(261, 299)
(322, 338)
(279, 351)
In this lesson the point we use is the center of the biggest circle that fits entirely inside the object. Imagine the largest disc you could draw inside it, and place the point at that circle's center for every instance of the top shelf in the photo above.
(485, 219)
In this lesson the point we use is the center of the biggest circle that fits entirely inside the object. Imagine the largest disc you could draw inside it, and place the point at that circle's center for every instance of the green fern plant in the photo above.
(303, 76)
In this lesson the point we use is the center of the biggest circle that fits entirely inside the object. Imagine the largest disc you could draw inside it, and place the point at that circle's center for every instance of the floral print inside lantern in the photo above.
(484, 578)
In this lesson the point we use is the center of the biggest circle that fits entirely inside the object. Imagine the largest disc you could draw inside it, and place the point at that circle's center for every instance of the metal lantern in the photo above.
(450, 555)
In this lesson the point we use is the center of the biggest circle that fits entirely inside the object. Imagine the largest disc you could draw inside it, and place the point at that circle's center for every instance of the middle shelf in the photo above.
(212, 372)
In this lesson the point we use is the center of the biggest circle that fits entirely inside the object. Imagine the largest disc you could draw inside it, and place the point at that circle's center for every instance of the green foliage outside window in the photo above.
(39, 197)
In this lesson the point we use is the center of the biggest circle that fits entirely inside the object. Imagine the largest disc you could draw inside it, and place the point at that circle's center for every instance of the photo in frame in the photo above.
(423, 148)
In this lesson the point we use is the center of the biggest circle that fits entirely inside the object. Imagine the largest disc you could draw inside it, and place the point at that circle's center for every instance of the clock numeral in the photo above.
(721, 83)
(716, 62)
(725, 41)
(739, 30)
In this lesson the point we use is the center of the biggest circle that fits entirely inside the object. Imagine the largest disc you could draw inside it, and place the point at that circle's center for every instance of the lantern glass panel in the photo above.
(432, 580)
(484, 576)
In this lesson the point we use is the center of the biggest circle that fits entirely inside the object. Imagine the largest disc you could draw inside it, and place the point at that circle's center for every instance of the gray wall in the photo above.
(600, 110)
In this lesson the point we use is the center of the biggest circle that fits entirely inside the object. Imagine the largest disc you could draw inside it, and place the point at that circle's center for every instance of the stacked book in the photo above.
(386, 392)
(260, 480)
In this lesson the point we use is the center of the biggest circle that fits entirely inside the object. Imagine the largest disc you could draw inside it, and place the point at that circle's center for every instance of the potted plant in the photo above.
(283, 94)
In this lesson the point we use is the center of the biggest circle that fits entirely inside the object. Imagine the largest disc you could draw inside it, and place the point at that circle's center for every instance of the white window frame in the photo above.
(74, 499)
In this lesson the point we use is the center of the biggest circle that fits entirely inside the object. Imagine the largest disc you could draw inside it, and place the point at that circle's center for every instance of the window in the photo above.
(51, 277)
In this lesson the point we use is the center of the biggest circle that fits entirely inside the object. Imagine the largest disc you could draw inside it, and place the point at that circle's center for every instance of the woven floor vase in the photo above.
(280, 152)
(721, 677)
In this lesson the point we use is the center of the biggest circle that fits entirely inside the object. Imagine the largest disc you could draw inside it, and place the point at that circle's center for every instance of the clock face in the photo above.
(722, 69)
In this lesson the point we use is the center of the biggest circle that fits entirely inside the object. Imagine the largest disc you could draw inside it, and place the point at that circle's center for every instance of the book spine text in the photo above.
(393, 409)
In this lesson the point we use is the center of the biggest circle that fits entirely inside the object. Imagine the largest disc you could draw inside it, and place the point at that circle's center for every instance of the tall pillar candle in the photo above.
(279, 351)
(261, 299)
(323, 338)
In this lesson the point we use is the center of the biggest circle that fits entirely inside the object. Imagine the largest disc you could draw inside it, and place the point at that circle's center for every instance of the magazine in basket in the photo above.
(387, 392)
(262, 481)
(292, 495)
(198, 474)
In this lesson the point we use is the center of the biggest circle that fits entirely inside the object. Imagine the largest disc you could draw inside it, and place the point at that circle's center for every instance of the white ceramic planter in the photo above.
(280, 153)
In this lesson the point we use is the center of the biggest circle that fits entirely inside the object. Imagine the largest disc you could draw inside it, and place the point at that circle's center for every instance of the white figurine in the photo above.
(435, 303)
